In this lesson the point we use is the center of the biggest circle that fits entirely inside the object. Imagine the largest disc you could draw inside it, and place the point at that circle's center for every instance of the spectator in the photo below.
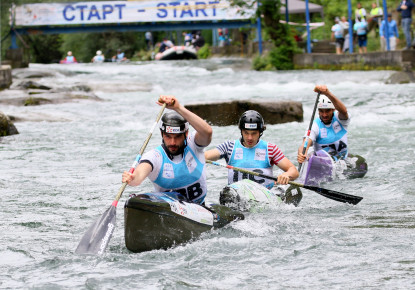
(405, 7)
(187, 38)
(338, 34)
(360, 12)
(392, 33)
(375, 17)
(361, 30)
(222, 38)
(343, 22)
(149, 40)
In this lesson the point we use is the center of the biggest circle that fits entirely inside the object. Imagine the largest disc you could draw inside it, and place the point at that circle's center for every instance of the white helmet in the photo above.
(325, 103)
(99, 52)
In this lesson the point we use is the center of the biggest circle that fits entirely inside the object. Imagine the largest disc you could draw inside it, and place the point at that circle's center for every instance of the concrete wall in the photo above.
(399, 60)
(5, 76)
(18, 57)
(228, 113)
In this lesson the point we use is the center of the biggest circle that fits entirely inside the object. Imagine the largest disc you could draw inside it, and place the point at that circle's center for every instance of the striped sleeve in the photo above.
(275, 154)
(225, 149)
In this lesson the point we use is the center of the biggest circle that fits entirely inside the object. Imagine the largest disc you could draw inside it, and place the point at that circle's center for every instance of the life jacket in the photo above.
(70, 58)
(253, 159)
(98, 58)
(331, 138)
(187, 177)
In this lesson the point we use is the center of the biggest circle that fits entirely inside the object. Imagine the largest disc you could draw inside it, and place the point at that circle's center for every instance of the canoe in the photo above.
(162, 220)
(67, 62)
(177, 52)
(248, 196)
(321, 167)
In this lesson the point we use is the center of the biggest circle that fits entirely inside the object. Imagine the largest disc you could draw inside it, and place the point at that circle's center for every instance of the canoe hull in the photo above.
(249, 196)
(162, 220)
(320, 167)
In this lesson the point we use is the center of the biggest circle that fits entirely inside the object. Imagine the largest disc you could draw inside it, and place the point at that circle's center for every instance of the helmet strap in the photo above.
(180, 151)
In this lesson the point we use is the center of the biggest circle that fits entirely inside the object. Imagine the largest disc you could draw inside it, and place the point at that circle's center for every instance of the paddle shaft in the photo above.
(334, 195)
(309, 129)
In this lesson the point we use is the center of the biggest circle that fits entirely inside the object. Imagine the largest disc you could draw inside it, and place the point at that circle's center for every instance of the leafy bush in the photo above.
(204, 52)
(281, 57)
(142, 55)
(262, 63)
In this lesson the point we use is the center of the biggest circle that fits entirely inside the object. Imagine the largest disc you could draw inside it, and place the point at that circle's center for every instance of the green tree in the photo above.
(281, 56)
(284, 45)
(44, 48)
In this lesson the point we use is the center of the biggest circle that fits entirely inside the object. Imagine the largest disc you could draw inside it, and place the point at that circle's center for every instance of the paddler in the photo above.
(178, 163)
(251, 153)
(329, 131)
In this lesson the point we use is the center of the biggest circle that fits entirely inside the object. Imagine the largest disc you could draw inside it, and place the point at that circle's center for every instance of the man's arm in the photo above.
(340, 107)
(300, 156)
(311, 139)
(140, 173)
(212, 154)
(381, 28)
(290, 172)
(203, 135)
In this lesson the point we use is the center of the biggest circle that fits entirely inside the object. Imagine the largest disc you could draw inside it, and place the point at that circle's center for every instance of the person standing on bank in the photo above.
(393, 33)
(251, 153)
(343, 22)
(178, 164)
(375, 17)
(359, 12)
(361, 30)
(405, 7)
(329, 131)
(338, 34)
(149, 40)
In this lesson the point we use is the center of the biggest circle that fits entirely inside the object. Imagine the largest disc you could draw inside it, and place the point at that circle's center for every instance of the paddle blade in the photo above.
(96, 239)
(335, 195)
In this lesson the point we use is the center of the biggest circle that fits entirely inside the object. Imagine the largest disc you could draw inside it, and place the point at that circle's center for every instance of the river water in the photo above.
(60, 174)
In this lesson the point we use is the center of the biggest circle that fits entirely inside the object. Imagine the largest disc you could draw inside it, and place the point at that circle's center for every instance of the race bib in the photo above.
(323, 132)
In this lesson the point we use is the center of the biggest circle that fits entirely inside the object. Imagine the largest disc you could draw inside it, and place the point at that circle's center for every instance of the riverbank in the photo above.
(400, 60)
(386, 60)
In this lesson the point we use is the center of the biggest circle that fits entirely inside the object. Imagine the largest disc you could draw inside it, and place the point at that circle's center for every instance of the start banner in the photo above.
(106, 12)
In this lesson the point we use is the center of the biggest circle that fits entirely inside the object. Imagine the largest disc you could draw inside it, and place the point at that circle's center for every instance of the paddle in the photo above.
(334, 195)
(309, 129)
(96, 239)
